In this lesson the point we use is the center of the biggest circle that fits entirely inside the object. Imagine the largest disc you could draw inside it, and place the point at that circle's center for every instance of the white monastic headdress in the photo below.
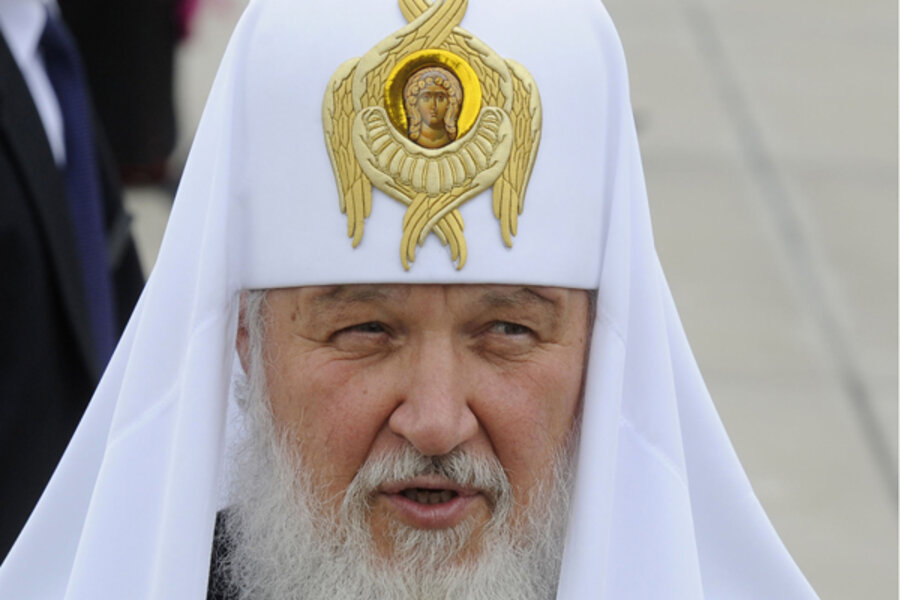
(662, 508)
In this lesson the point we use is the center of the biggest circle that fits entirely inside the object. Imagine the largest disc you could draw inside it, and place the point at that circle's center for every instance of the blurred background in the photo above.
(769, 138)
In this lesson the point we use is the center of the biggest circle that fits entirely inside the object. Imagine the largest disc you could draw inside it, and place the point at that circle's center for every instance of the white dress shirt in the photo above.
(21, 23)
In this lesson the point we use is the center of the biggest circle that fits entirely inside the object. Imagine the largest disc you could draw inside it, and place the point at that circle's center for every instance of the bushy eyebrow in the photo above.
(356, 294)
(517, 297)
(525, 298)
(341, 297)
(352, 294)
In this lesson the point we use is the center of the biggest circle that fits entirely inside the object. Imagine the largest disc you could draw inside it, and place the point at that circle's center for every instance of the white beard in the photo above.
(284, 543)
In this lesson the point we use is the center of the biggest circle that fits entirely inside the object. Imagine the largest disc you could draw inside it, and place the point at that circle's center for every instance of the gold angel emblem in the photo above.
(432, 117)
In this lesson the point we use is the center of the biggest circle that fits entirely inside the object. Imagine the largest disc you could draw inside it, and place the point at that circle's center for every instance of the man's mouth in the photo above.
(430, 502)
(428, 496)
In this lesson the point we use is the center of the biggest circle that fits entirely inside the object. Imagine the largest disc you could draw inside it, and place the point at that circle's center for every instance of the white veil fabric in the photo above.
(661, 509)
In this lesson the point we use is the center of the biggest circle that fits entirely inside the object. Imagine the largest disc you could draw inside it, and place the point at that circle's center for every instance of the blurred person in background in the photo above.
(70, 271)
(128, 49)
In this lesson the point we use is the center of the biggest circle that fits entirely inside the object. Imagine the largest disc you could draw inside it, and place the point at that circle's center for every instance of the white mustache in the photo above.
(463, 468)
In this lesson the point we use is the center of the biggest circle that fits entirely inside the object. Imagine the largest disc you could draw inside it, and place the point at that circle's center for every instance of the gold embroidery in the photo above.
(432, 117)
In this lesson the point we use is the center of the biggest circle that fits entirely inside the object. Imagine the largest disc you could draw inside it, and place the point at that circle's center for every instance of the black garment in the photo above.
(48, 368)
(219, 587)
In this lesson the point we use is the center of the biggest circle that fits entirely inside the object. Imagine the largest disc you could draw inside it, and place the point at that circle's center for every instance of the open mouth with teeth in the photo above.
(428, 496)
(431, 502)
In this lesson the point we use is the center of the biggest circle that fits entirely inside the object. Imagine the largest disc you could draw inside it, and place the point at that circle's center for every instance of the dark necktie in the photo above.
(65, 72)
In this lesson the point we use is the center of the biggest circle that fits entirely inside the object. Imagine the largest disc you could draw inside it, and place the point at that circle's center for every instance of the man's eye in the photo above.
(507, 328)
(370, 327)
(362, 336)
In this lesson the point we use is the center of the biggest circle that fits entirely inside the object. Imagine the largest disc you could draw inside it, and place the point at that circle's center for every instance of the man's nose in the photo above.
(433, 413)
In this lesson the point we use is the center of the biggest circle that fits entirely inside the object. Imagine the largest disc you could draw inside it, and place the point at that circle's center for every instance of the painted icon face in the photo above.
(432, 103)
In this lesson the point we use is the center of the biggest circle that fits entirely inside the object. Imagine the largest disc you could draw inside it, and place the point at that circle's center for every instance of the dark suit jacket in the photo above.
(47, 369)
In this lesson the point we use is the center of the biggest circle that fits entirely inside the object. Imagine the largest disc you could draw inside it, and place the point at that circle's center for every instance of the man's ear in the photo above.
(242, 342)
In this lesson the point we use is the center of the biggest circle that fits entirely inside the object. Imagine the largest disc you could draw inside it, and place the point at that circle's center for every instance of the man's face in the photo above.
(357, 372)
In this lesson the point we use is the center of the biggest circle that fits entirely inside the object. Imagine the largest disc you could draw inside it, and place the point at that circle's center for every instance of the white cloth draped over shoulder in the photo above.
(662, 508)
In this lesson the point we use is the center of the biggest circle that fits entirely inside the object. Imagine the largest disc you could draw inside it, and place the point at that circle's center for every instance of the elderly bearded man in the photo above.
(406, 441)
(466, 378)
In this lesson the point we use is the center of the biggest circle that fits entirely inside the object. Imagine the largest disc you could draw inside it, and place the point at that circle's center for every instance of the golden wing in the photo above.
(354, 189)
(413, 9)
(428, 30)
(492, 72)
(509, 189)
(433, 184)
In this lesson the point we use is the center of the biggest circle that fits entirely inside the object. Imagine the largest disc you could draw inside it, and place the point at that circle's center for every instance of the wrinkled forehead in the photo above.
(437, 297)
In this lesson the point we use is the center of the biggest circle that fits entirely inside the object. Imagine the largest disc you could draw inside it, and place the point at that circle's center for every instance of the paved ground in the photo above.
(769, 137)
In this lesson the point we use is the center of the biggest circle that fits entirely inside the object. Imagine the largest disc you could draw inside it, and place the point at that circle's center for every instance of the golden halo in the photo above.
(393, 87)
